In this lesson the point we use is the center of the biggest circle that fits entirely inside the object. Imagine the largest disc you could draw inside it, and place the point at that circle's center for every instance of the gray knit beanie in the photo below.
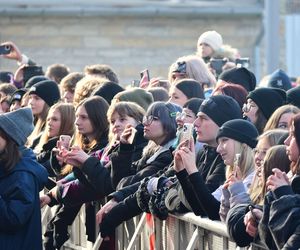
(18, 124)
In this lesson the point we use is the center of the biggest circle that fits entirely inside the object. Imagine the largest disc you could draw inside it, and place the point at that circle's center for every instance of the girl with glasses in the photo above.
(261, 103)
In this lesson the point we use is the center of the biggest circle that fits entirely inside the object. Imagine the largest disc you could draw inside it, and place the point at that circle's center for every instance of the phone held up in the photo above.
(65, 141)
(145, 78)
(5, 49)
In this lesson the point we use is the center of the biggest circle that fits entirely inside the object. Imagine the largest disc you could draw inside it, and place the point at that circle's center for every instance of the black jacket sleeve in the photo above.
(189, 192)
(97, 175)
(144, 170)
(205, 199)
(236, 227)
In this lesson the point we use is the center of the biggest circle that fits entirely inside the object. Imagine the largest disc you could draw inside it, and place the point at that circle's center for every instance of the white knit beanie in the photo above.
(212, 38)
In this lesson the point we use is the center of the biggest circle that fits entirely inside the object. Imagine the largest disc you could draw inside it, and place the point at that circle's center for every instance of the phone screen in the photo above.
(145, 78)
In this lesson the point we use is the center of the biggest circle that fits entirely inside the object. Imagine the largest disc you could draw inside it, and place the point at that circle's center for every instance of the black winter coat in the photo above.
(198, 186)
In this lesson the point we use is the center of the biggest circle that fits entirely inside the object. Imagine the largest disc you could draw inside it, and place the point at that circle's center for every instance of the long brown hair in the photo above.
(67, 113)
(11, 154)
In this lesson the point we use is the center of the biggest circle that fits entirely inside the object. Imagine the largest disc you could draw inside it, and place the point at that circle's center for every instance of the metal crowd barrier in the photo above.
(178, 232)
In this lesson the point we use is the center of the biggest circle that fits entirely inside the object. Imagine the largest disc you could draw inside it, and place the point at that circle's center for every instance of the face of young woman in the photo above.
(260, 153)
(177, 96)
(119, 122)
(153, 129)
(226, 150)
(284, 120)
(205, 50)
(206, 129)
(53, 123)
(2, 144)
(292, 149)
(250, 110)
(83, 122)
(186, 116)
(36, 103)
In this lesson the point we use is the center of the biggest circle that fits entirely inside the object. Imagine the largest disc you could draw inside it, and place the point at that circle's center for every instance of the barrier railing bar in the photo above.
(137, 232)
(193, 240)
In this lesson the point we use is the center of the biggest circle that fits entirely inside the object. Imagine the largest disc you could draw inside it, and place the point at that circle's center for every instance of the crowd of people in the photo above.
(208, 139)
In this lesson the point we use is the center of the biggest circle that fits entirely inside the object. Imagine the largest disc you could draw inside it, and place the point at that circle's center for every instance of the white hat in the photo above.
(212, 38)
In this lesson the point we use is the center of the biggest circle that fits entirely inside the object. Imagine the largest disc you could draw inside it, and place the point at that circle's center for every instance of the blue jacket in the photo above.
(20, 214)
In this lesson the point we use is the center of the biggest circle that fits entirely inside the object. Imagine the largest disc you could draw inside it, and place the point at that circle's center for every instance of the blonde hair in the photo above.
(275, 117)
(246, 163)
(39, 124)
(67, 113)
(195, 69)
(273, 137)
(276, 155)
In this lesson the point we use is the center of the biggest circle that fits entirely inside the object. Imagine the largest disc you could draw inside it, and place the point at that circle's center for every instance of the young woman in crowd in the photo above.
(261, 103)
(60, 121)
(91, 135)
(21, 180)
(281, 117)
(279, 226)
(255, 194)
(183, 90)
(42, 96)
(234, 137)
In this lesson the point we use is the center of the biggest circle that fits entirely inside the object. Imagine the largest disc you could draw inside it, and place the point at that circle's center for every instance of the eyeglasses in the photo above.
(147, 120)
(247, 107)
(181, 115)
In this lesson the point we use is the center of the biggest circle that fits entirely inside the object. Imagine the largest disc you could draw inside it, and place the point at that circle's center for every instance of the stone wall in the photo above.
(127, 43)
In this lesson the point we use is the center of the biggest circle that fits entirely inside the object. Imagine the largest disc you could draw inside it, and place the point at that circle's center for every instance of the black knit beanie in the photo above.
(279, 79)
(108, 90)
(18, 95)
(193, 104)
(240, 130)
(221, 108)
(293, 96)
(190, 88)
(47, 90)
(241, 76)
(35, 79)
(268, 99)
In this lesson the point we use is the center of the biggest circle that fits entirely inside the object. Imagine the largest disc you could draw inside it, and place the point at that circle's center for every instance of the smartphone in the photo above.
(135, 83)
(187, 132)
(251, 207)
(145, 78)
(243, 62)
(5, 49)
(217, 65)
(236, 162)
(65, 141)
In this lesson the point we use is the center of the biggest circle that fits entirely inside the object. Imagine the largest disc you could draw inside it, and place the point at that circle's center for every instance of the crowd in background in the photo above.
(207, 139)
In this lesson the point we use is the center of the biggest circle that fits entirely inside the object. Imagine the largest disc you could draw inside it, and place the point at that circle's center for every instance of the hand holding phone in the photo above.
(65, 141)
(145, 78)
